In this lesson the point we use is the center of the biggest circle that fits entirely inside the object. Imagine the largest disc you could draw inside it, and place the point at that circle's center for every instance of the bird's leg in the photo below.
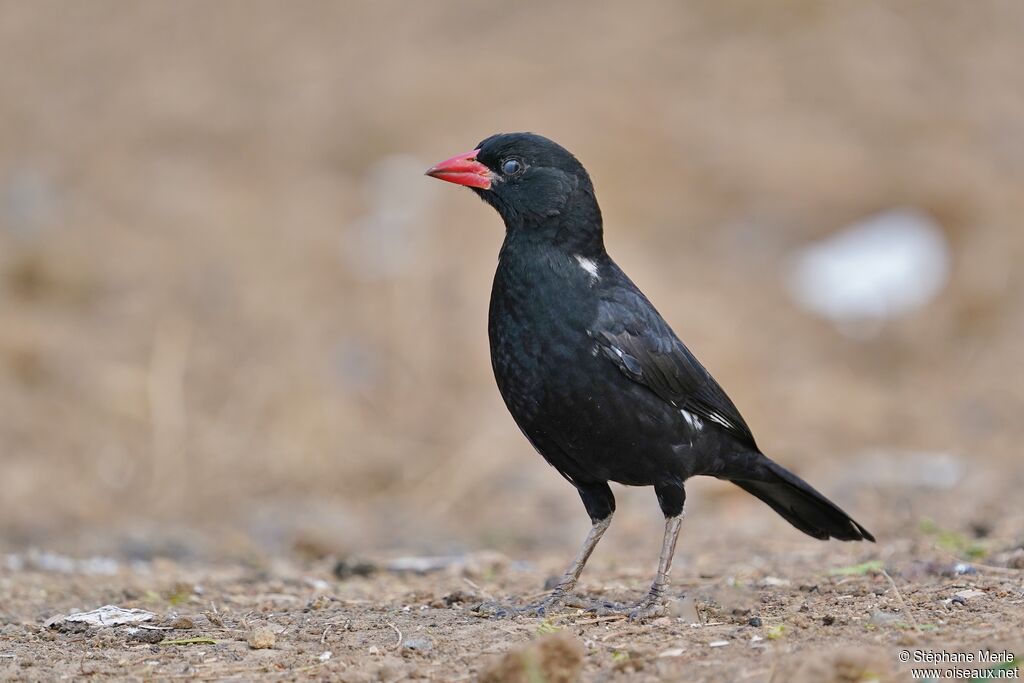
(560, 594)
(572, 574)
(652, 604)
(671, 498)
(600, 504)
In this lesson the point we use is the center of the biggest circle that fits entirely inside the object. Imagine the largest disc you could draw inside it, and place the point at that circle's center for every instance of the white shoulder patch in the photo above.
(589, 266)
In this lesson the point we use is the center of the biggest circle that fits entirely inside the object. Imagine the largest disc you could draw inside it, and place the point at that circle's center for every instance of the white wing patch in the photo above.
(715, 417)
(589, 266)
(694, 421)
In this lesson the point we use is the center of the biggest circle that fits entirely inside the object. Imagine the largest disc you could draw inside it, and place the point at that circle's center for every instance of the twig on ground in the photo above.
(398, 643)
(903, 603)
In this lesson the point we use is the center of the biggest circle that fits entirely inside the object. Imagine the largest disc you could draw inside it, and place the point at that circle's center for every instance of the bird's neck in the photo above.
(576, 229)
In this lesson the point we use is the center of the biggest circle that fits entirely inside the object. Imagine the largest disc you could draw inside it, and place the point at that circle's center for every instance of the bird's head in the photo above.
(535, 184)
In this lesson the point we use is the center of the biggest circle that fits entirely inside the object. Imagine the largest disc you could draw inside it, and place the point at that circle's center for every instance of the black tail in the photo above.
(796, 500)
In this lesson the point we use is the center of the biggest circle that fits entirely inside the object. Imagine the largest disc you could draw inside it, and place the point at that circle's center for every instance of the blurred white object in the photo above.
(878, 268)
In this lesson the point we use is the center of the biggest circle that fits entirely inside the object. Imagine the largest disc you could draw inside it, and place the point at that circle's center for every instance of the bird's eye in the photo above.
(511, 166)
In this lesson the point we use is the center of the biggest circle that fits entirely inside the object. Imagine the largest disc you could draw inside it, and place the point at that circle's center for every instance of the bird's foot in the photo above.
(544, 607)
(547, 606)
(594, 605)
(651, 607)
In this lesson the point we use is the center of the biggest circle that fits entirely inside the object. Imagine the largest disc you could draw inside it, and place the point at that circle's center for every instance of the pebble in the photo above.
(754, 621)
(182, 623)
(261, 638)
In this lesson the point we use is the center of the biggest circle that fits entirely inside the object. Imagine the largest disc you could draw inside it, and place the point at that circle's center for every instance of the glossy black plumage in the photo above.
(592, 374)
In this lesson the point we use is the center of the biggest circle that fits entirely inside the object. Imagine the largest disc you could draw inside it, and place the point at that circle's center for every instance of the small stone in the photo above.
(182, 623)
(754, 621)
(261, 638)
(672, 652)
(718, 643)
(417, 644)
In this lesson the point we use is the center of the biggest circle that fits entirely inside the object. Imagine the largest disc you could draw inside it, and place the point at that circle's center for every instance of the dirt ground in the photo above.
(803, 616)
(243, 339)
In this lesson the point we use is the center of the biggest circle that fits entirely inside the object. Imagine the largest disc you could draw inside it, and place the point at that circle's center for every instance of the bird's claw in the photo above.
(648, 608)
(540, 609)
(543, 608)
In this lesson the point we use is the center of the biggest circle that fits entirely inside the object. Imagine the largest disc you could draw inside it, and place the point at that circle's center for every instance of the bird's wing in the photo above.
(633, 335)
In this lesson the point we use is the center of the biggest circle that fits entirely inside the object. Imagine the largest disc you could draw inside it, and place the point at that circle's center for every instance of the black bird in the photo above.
(594, 376)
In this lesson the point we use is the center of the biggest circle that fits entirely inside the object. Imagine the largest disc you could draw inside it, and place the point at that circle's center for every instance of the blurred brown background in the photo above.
(236, 319)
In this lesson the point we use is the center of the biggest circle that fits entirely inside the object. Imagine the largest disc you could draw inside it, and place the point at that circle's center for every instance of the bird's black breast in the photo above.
(537, 329)
(579, 411)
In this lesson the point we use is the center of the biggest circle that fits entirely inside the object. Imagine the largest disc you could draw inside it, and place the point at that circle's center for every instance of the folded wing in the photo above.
(634, 336)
